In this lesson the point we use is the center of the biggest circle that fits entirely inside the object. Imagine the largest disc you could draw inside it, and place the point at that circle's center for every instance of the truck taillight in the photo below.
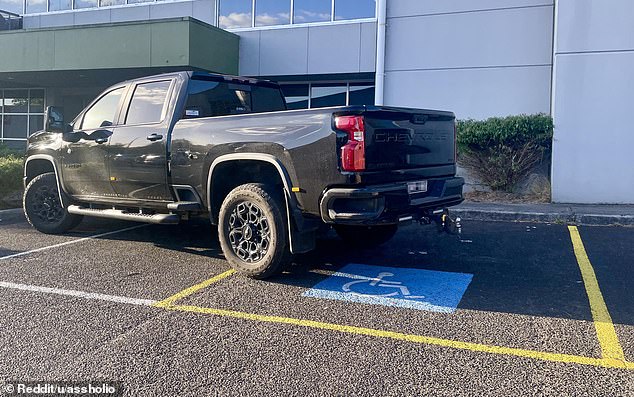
(353, 152)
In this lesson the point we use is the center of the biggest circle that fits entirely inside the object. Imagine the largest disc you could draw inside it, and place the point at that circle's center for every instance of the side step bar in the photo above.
(163, 219)
(184, 206)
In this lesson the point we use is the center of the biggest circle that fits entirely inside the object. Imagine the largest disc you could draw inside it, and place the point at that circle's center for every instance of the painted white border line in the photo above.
(71, 242)
(79, 294)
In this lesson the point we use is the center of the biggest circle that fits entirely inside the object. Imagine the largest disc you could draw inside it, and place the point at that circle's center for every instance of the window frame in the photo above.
(28, 113)
(216, 16)
(292, 23)
(130, 95)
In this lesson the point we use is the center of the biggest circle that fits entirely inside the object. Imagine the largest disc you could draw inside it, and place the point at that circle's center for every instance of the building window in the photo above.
(16, 101)
(60, 5)
(296, 95)
(107, 3)
(21, 113)
(232, 14)
(325, 95)
(272, 12)
(235, 14)
(318, 94)
(33, 6)
(85, 3)
(306, 11)
(354, 9)
(361, 94)
(255, 13)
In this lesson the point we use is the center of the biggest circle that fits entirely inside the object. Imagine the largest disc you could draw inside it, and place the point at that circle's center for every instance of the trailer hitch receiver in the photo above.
(447, 224)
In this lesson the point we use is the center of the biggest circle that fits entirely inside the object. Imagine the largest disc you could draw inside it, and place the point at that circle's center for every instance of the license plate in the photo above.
(416, 187)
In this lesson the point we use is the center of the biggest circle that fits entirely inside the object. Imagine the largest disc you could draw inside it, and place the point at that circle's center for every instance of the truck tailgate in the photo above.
(398, 138)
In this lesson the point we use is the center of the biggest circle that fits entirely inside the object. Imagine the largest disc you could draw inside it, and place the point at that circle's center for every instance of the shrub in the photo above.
(6, 151)
(11, 166)
(503, 151)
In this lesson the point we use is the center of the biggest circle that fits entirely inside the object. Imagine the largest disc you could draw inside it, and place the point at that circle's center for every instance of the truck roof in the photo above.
(188, 74)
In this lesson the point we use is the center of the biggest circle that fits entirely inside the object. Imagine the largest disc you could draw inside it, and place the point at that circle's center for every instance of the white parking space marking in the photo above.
(79, 294)
(71, 242)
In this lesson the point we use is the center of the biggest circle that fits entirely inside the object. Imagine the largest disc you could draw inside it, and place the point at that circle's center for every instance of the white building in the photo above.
(479, 58)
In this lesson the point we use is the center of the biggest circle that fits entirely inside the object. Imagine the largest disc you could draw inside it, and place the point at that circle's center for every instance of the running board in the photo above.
(184, 206)
(164, 219)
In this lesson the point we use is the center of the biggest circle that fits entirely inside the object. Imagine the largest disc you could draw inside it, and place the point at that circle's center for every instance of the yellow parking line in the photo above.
(193, 289)
(476, 347)
(609, 342)
(612, 353)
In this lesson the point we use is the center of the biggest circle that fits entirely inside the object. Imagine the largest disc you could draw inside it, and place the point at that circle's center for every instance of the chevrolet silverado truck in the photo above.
(165, 148)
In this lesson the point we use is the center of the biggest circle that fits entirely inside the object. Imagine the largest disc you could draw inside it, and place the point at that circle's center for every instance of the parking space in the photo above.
(18, 237)
(610, 252)
(146, 262)
(505, 308)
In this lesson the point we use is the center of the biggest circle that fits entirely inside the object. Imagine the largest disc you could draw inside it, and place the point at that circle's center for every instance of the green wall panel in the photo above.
(174, 42)
(102, 47)
(169, 44)
(218, 52)
(26, 52)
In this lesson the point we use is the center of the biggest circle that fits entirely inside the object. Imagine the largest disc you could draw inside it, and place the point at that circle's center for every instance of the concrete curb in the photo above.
(604, 220)
(565, 215)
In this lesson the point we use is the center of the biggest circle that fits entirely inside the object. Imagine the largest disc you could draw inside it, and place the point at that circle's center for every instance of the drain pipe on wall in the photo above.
(379, 80)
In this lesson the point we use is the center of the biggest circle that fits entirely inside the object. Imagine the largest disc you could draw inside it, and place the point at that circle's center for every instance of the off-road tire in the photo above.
(249, 215)
(366, 236)
(42, 206)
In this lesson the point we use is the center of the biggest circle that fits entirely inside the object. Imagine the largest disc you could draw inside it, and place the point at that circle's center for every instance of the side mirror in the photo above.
(54, 119)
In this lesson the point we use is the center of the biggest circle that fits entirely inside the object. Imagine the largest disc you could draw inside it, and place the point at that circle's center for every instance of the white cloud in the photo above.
(267, 20)
(235, 20)
(310, 16)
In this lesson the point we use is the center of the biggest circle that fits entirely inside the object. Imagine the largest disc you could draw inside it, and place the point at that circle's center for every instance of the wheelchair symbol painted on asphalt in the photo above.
(379, 281)
(391, 286)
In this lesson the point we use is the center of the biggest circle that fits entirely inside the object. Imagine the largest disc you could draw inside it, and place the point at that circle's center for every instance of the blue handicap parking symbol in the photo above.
(392, 286)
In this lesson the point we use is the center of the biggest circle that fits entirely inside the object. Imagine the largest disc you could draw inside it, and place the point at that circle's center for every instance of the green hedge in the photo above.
(502, 151)
(11, 169)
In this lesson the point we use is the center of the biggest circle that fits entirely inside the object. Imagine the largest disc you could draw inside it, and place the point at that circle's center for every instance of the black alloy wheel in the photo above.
(43, 207)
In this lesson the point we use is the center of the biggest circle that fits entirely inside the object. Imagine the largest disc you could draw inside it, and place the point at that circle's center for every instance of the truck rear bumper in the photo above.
(389, 203)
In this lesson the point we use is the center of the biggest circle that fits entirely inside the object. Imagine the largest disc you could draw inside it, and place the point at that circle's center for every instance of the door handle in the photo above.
(101, 140)
(154, 137)
(191, 156)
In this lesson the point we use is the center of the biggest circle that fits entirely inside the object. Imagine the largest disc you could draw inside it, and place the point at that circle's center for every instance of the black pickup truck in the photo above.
(165, 148)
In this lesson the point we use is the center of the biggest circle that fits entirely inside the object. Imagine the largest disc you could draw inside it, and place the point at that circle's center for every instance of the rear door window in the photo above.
(215, 98)
(148, 103)
(208, 98)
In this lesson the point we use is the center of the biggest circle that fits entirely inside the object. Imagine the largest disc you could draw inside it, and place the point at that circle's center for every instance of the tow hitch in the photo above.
(442, 219)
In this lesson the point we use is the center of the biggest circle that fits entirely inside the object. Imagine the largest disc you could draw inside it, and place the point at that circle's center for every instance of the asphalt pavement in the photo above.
(503, 309)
